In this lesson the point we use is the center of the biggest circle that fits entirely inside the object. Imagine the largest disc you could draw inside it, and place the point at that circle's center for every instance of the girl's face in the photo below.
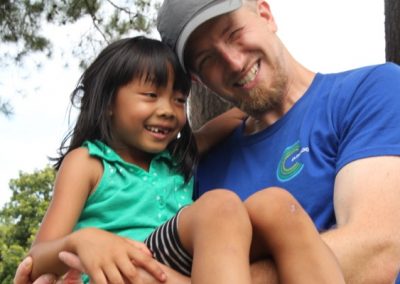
(146, 118)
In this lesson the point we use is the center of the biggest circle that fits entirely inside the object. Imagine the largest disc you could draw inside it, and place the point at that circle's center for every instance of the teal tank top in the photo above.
(130, 201)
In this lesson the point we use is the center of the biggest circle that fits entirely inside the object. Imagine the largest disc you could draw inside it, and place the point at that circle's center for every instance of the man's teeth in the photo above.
(157, 130)
(249, 76)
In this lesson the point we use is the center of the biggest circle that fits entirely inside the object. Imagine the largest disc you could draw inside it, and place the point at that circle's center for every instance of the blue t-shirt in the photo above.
(341, 118)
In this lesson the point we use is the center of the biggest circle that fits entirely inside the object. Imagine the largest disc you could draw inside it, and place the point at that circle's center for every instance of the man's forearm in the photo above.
(364, 257)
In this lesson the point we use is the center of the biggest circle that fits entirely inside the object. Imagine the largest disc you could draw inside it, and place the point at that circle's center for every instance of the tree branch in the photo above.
(94, 20)
(126, 10)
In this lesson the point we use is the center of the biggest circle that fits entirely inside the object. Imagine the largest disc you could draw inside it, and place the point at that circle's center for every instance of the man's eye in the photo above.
(235, 34)
(203, 61)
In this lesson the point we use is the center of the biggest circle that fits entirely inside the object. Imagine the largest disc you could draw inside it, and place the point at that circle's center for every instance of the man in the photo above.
(332, 140)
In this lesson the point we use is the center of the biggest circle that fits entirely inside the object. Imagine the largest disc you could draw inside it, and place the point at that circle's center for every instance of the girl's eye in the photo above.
(181, 100)
(150, 95)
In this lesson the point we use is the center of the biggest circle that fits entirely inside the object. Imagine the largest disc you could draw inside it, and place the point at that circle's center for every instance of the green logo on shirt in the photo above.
(289, 166)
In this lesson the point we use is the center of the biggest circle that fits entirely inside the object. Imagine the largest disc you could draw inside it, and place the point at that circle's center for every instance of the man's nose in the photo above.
(232, 57)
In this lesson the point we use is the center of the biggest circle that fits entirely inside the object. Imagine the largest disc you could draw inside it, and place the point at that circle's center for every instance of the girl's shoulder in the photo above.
(82, 164)
(80, 155)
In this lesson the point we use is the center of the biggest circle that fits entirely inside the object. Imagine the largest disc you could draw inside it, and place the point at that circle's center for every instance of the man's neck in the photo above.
(299, 80)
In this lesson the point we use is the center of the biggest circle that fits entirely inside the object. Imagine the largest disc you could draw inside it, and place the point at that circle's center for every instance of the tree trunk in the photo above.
(204, 105)
(392, 30)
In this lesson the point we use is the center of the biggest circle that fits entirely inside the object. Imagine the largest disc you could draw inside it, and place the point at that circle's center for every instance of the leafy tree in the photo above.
(21, 216)
(21, 21)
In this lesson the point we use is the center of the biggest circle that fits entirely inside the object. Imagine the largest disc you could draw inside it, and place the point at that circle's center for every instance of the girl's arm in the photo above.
(103, 255)
(216, 129)
(75, 179)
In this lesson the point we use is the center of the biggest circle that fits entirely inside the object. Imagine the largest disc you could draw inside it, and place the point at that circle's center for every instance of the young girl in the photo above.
(127, 170)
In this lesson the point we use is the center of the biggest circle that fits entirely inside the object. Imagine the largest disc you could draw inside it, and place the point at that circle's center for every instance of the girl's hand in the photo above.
(108, 258)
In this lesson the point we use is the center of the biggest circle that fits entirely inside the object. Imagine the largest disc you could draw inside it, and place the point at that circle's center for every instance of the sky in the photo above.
(325, 36)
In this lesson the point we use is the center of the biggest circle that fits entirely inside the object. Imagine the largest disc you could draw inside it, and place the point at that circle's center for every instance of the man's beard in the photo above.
(264, 99)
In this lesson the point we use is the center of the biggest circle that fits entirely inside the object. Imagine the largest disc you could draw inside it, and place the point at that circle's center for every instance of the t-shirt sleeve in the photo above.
(369, 121)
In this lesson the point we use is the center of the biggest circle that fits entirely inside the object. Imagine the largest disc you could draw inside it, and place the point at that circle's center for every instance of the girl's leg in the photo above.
(216, 231)
(282, 229)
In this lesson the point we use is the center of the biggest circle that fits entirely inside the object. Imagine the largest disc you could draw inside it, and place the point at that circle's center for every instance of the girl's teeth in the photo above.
(157, 130)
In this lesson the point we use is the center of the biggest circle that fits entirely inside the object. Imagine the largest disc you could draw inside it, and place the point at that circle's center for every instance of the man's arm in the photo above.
(367, 206)
(366, 241)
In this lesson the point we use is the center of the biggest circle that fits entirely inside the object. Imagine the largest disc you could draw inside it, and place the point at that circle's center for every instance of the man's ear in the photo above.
(264, 11)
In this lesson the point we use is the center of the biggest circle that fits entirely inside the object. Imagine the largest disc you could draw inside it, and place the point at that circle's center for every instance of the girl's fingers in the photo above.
(141, 246)
(112, 273)
(148, 263)
(128, 270)
(98, 277)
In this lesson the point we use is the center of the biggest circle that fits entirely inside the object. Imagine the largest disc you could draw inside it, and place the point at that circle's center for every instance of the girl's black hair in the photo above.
(117, 65)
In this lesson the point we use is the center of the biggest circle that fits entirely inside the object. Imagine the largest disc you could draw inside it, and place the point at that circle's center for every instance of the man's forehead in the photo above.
(177, 19)
(214, 27)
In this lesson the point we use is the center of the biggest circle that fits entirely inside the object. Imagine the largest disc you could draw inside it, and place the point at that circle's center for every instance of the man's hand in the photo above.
(72, 277)
(22, 275)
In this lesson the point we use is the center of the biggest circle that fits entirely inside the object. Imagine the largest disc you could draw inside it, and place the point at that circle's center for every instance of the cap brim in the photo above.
(213, 10)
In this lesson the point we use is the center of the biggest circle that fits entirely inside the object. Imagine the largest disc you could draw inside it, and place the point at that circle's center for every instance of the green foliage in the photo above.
(21, 216)
(11, 256)
(21, 21)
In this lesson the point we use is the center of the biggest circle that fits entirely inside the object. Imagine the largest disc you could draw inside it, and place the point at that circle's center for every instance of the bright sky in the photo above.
(326, 36)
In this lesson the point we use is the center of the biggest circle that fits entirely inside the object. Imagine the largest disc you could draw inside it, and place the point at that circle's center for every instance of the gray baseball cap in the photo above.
(177, 19)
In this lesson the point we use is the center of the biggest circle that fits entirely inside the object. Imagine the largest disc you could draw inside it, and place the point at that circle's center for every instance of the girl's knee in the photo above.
(220, 203)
